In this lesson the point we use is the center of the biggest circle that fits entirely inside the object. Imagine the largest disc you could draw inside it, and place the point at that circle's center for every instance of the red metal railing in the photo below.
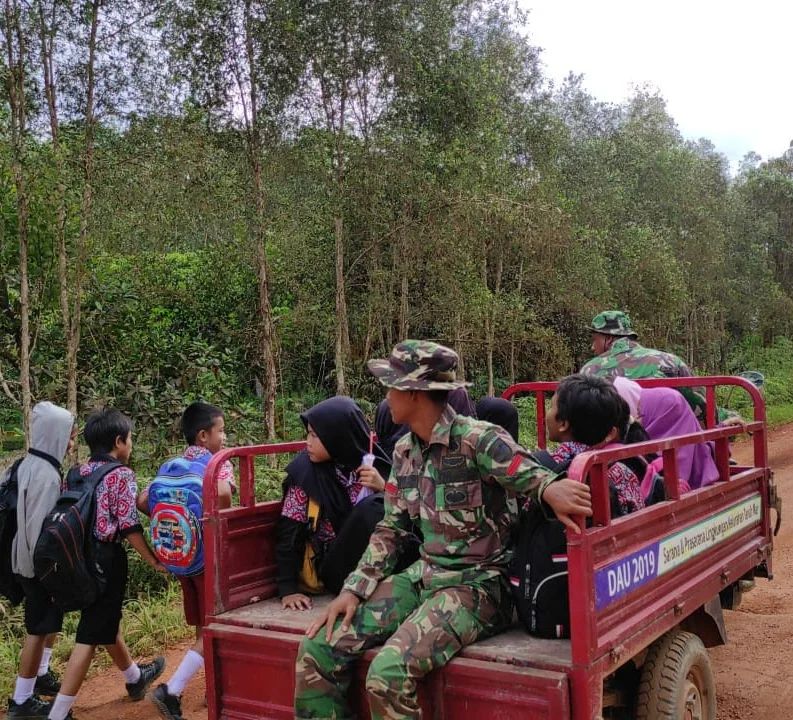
(225, 588)
(601, 640)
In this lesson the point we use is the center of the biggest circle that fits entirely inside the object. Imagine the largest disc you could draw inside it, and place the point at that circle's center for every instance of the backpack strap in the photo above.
(46, 456)
(13, 471)
(10, 488)
(544, 458)
(91, 483)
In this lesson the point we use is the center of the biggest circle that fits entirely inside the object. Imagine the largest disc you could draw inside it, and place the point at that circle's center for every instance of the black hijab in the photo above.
(388, 432)
(499, 412)
(341, 426)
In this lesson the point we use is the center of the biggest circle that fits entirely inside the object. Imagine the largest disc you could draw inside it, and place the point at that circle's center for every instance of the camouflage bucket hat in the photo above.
(418, 365)
(612, 322)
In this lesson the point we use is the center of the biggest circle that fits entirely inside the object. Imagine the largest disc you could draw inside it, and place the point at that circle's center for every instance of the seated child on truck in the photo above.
(204, 430)
(586, 412)
(662, 414)
(331, 503)
(108, 433)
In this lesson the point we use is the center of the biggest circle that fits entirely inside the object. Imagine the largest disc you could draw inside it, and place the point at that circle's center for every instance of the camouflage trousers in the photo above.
(422, 629)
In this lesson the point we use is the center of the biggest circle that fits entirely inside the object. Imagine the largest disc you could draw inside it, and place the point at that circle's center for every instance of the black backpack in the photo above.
(538, 570)
(9, 585)
(66, 558)
(9, 493)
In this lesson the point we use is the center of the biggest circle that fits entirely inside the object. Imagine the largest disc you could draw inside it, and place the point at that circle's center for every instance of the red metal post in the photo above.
(671, 474)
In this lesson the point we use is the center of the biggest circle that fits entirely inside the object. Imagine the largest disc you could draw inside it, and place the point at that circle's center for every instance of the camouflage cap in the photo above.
(613, 322)
(418, 365)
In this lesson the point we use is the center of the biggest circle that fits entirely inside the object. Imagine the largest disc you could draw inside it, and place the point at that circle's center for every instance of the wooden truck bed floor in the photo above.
(514, 646)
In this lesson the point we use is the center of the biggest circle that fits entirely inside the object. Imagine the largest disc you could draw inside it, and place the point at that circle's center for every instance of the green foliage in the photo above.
(776, 365)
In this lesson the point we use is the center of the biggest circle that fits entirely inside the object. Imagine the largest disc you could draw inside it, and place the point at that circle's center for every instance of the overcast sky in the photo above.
(724, 67)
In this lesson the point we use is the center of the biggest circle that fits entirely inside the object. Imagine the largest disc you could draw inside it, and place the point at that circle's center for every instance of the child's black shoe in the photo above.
(170, 706)
(149, 672)
(32, 709)
(47, 684)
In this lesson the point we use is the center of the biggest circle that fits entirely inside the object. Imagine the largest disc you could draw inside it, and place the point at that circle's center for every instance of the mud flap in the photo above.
(708, 623)
(775, 503)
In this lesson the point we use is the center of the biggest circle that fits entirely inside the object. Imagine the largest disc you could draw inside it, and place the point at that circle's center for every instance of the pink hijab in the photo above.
(630, 392)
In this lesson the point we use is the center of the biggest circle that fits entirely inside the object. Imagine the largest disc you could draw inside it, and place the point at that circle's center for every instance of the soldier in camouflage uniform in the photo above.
(450, 475)
(618, 353)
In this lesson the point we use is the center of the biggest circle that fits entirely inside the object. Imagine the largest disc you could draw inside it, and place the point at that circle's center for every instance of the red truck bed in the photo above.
(259, 642)
(631, 579)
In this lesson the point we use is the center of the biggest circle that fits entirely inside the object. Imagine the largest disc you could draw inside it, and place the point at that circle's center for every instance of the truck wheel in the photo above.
(676, 681)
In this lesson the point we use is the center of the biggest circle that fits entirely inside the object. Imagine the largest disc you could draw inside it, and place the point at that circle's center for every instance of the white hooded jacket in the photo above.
(38, 481)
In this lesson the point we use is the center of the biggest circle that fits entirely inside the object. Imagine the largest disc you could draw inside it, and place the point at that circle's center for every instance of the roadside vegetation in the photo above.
(181, 219)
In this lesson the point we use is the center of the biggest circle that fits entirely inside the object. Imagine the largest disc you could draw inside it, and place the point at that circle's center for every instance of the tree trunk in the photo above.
(15, 47)
(47, 37)
(458, 347)
(342, 324)
(86, 211)
(404, 272)
(267, 332)
(404, 306)
(267, 325)
(512, 344)
(335, 122)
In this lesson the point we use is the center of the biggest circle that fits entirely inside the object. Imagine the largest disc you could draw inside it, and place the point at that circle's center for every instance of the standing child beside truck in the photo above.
(174, 502)
(108, 433)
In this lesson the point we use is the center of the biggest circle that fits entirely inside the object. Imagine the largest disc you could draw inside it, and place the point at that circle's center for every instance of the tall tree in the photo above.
(17, 75)
(243, 58)
(49, 21)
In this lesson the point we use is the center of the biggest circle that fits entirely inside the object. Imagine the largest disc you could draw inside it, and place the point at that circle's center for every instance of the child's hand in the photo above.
(370, 478)
(736, 422)
(296, 601)
(159, 567)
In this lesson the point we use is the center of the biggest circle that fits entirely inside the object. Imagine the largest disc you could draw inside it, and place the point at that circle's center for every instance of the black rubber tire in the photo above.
(676, 681)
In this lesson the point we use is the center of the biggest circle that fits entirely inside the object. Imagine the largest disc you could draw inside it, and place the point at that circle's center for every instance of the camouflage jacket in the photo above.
(627, 357)
(455, 490)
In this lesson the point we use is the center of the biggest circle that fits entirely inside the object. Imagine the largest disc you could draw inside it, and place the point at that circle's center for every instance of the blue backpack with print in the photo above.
(175, 510)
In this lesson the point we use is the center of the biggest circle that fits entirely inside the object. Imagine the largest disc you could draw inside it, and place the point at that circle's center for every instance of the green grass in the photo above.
(779, 414)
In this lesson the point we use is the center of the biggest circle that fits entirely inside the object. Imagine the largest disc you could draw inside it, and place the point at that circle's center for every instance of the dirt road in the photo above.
(752, 671)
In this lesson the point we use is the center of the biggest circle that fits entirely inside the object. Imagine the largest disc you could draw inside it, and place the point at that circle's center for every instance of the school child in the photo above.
(331, 502)
(388, 432)
(108, 433)
(204, 429)
(586, 411)
(52, 435)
